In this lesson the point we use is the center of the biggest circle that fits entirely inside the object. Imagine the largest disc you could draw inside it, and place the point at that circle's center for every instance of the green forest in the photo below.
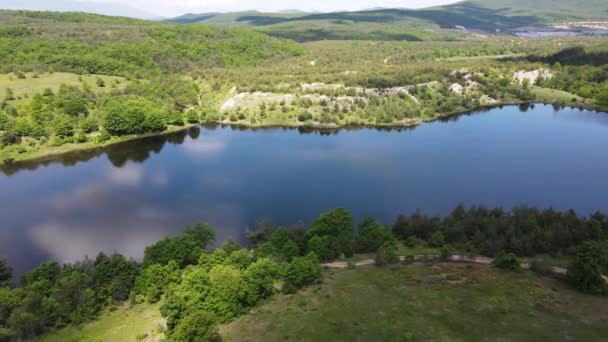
(74, 81)
(201, 288)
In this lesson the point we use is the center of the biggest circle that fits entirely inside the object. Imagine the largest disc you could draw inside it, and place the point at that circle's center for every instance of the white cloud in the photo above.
(128, 175)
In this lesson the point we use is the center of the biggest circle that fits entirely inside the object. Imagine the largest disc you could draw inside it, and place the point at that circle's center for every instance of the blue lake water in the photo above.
(124, 198)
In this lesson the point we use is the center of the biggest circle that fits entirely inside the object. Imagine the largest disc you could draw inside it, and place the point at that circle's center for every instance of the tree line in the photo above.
(201, 289)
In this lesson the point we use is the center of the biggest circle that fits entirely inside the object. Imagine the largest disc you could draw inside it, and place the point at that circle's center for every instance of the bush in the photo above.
(154, 280)
(89, 125)
(446, 251)
(338, 226)
(192, 117)
(306, 116)
(387, 253)
(227, 292)
(300, 272)
(411, 241)
(437, 239)
(588, 267)
(260, 277)
(197, 326)
(507, 262)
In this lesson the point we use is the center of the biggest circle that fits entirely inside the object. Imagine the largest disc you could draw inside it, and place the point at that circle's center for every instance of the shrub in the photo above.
(437, 239)
(305, 116)
(89, 125)
(589, 265)
(301, 271)
(387, 253)
(507, 262)
(192, 117)
(197, 326)
(446, 251)
(260, 277)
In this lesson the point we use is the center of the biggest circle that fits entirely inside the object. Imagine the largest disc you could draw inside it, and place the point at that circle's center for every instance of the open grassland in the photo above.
(426, 302)
(126, 323)
(34, 83)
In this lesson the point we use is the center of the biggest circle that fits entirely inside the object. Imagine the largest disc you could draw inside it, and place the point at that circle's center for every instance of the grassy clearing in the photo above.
(32, 84)
(126, 323)
(547, 95)
(426, 302)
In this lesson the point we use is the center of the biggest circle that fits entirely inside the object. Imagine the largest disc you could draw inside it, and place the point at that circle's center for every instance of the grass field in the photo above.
(444, 302)
(32, 85)
(140, 322)
(547, 95)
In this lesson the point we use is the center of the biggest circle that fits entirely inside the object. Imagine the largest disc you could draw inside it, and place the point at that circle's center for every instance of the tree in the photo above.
(154, 280)
(588, 267)
(301, 271)
(185, 248)
(133, 116)
(192, 117)
(387, 253)
(240, 259)
(100, 82)
(446, 251)
(6, 274)
(260, 277)
(261, 233)
(197, 326)
(285, 248)
(113, 277)
(320, 246)
(227, 292)
(371, 236)
(602, 95)
(437, 239)
(339, 226)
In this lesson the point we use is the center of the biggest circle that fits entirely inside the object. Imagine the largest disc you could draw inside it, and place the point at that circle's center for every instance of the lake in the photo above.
(126, 197)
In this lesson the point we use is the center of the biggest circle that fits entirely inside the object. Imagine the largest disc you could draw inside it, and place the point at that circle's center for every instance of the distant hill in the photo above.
(112, 9)
(404, 24)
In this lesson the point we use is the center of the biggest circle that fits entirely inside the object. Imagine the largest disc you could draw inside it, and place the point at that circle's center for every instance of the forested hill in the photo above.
(544, 10)
(404, 24)
(90, 43)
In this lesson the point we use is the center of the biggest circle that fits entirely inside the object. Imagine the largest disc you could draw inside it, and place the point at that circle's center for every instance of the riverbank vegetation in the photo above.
(112, 78)
(200, 289)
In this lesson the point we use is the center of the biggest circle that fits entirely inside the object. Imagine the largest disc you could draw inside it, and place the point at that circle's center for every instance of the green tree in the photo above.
(154, 280)
(240, 259)
(6, 273)
(589, 266)
(339, 226)
(301, 271)
(602, 95)
(387, 253)
(198, 326)
(371, 236)
(100, 82)
(185, 249)
(227, 292)
(260, 277)
(437, 239)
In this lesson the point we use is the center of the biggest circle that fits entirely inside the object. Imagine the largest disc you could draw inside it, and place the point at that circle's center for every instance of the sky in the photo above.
(171, 8)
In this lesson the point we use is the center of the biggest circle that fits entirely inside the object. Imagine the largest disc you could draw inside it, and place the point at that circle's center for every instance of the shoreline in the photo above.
(49, 156)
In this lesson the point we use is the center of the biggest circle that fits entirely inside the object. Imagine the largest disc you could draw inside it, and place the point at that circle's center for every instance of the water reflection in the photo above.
(83, 202)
